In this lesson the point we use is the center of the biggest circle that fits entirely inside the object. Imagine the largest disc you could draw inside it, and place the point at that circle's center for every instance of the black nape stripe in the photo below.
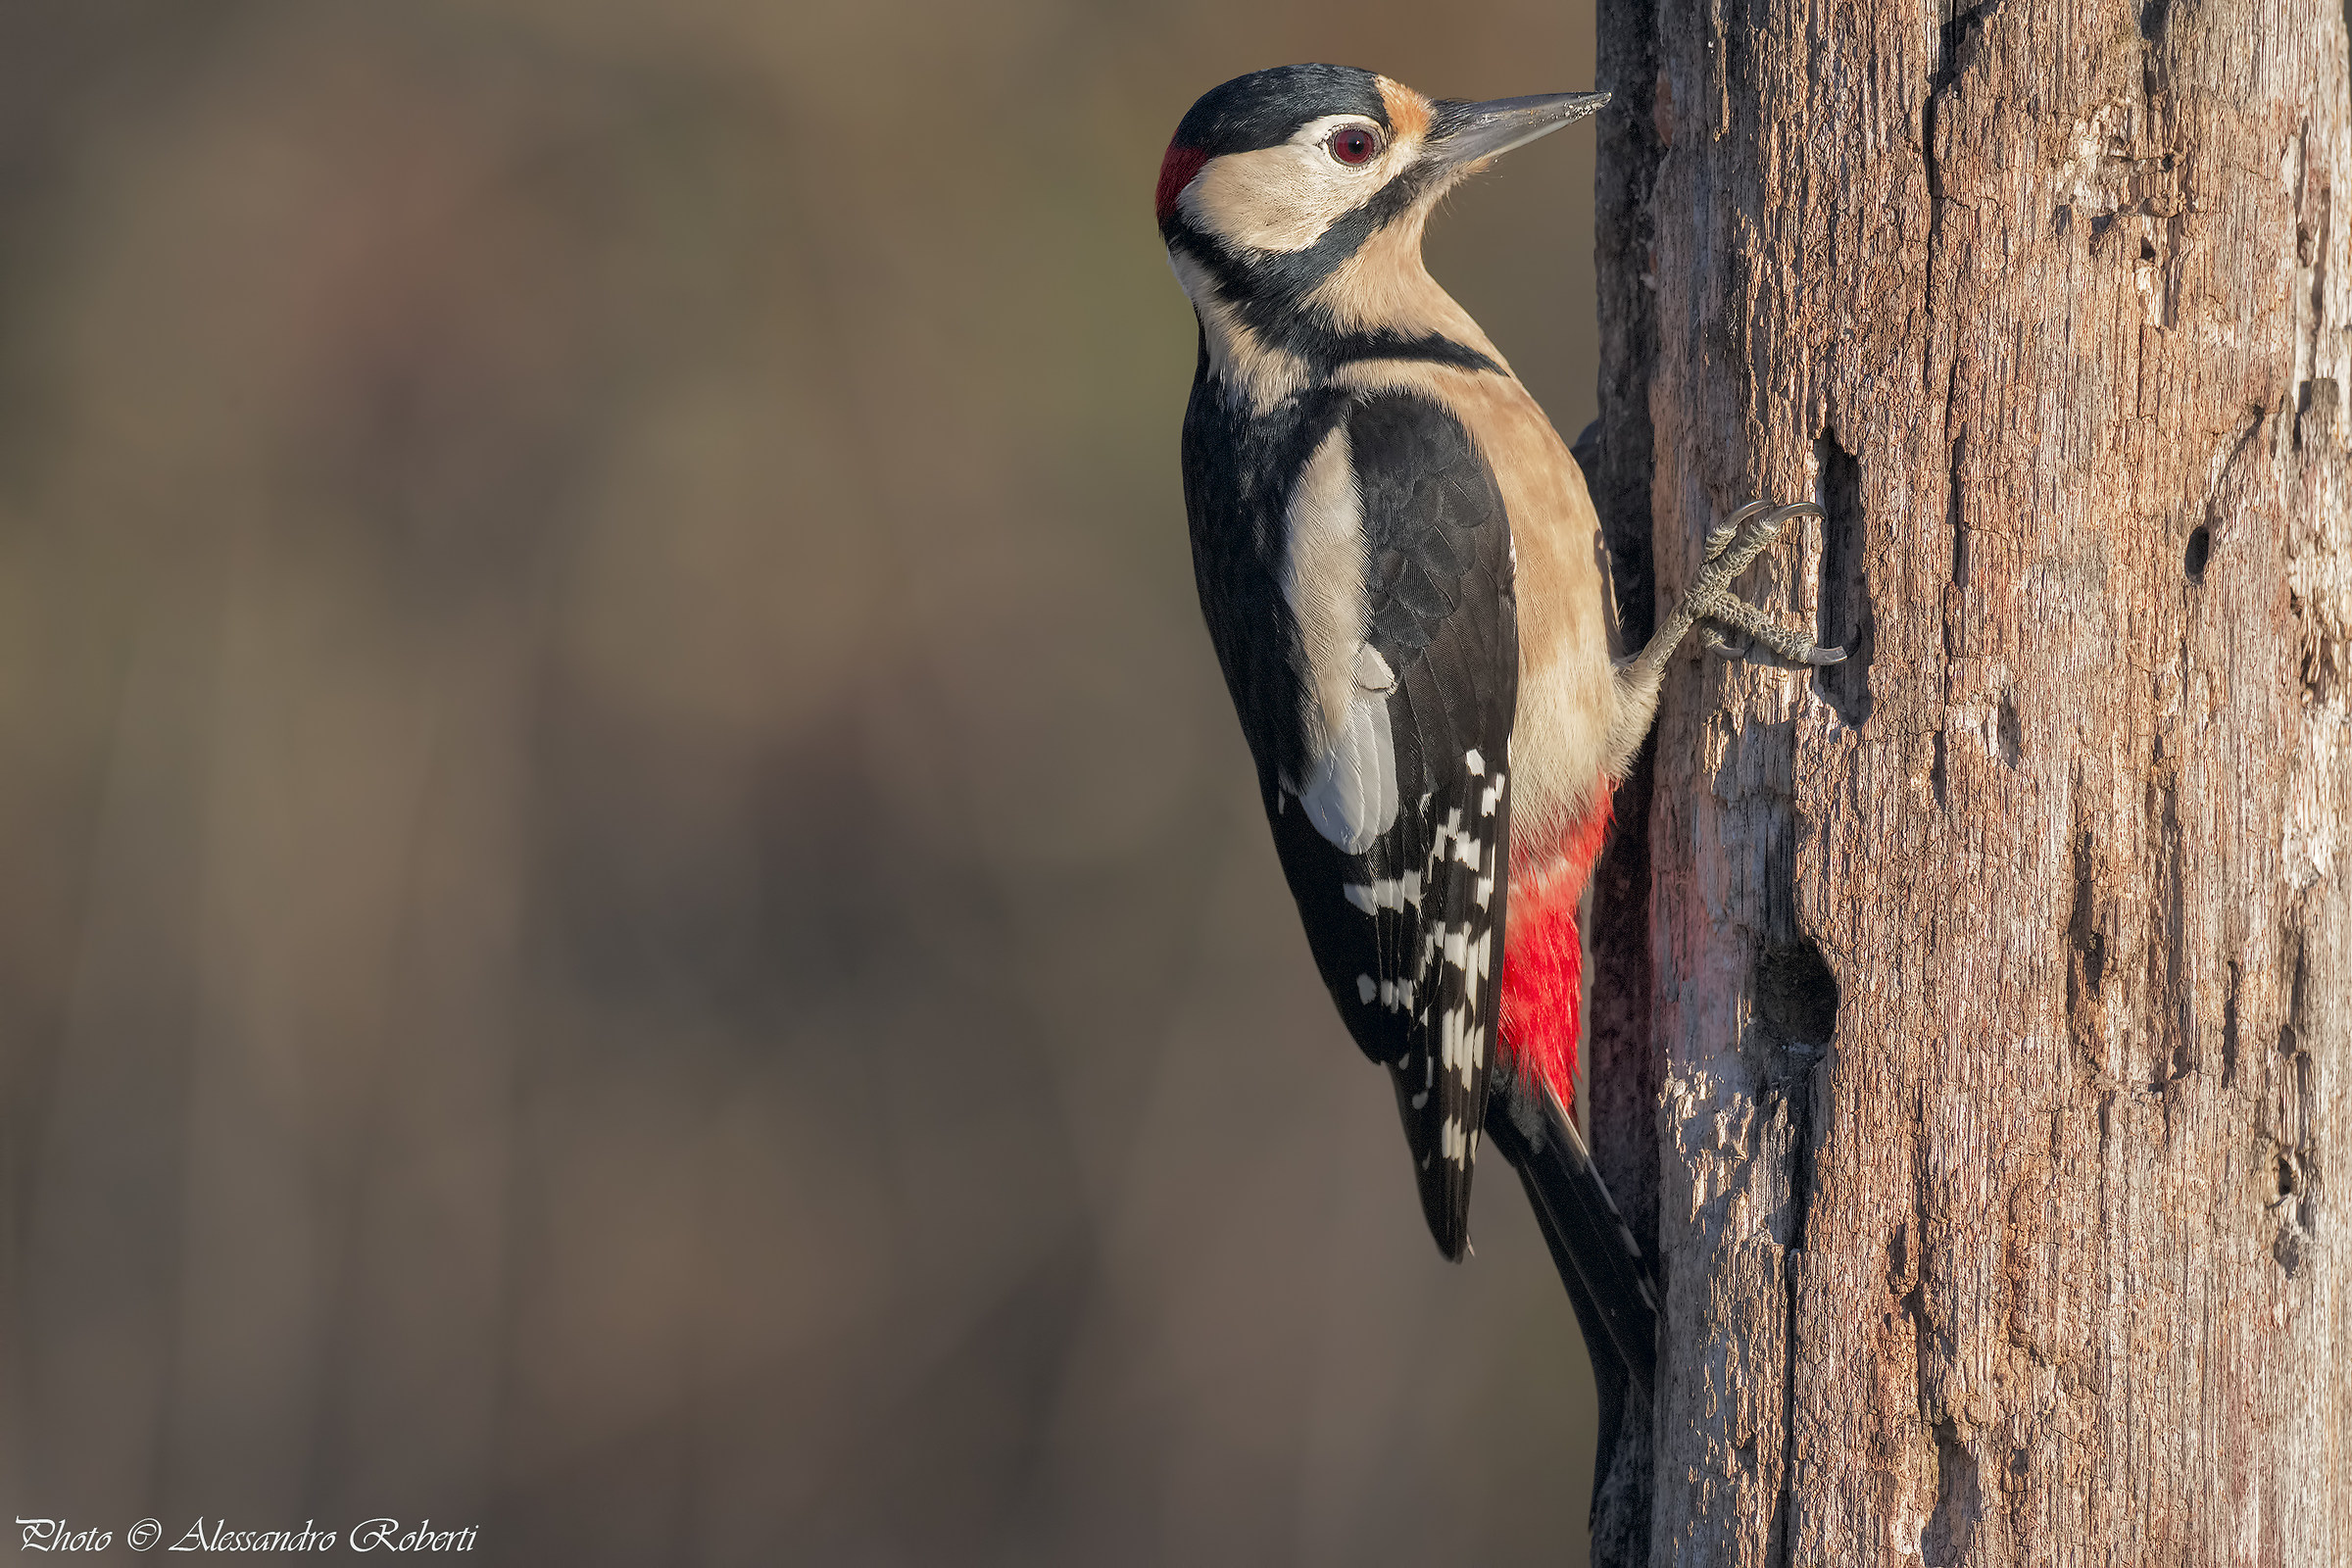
(1269, 292)
(1347, 347)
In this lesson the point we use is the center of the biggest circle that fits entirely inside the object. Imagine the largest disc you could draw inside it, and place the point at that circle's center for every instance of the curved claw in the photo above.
(1725, 531)
(1794, 649)
(1708, 598)
(1775, 515)
(1712, 600)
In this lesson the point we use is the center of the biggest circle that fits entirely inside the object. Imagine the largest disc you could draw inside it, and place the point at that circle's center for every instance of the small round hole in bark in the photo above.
(1796, 993)
(2286, 1177)
(2201, 546)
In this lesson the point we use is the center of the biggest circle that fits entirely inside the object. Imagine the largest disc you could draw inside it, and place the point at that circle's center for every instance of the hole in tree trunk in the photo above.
(1796, 993)
(2201, 546)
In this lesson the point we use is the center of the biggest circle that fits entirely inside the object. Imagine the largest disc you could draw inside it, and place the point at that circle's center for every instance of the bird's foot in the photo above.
(1729, 549)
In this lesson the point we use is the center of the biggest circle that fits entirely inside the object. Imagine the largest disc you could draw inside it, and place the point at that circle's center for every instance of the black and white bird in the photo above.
(1407, 587)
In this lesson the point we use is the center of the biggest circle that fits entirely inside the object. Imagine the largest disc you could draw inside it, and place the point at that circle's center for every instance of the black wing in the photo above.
(1421, 913)
(1407, 933)
(1238, 468)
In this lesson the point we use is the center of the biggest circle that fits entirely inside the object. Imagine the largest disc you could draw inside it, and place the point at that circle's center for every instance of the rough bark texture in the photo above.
(2001, 978)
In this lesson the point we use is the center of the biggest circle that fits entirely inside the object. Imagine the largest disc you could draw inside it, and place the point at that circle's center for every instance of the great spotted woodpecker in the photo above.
(1407, 587)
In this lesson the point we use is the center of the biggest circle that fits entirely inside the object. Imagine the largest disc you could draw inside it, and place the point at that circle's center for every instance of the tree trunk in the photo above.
(1998, 982)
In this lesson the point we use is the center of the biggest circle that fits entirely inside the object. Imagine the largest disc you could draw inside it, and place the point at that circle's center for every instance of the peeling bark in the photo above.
(1999, 980)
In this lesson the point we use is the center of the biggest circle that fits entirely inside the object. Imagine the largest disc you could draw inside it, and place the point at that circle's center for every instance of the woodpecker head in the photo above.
(1292, 201)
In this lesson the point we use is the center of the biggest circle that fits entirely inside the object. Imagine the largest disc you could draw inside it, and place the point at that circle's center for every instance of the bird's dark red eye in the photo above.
(1353, 144)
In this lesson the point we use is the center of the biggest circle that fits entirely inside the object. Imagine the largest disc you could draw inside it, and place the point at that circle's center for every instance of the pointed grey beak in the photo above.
(1469, 134)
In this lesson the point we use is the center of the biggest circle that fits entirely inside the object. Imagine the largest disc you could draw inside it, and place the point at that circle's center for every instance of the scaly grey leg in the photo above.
(1729, 549)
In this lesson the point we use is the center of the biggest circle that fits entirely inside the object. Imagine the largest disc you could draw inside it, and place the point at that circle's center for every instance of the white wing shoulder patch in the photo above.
(1352, 795)
(1349, 793)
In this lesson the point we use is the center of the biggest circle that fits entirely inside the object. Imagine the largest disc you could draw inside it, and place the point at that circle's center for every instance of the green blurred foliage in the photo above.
(634, 914)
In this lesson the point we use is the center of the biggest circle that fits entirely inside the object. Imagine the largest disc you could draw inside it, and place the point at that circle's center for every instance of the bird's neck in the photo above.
(1245, 343)
(1383, 290)
(1271, 333)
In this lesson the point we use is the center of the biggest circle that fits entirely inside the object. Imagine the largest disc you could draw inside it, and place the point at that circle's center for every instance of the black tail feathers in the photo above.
(1608, 1278)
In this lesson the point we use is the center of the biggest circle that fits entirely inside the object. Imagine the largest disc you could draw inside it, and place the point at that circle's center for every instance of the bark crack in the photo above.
(2296, 1133)
(2230, 1027)
(1958, 27)
(1951, 1529)
(1798, 1107)
(1847, 617)
(2086, 958)
(1797, 999)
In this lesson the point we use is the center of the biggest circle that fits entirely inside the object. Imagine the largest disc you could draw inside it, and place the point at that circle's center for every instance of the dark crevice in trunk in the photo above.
(1623, 1079)
(2229, 1029)
(1796, 999)
(1846, 618)
(1951, 1529)
(1956, 512)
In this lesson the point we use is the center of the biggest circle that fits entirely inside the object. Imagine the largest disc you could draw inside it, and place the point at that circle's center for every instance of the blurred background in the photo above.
(632, 913)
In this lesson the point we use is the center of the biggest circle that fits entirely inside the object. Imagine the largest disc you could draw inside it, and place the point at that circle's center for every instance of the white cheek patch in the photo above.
(1282, 198)
(1273, 199)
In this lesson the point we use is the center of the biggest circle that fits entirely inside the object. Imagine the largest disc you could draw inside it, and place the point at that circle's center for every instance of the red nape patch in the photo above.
(1176, 170)
(1544, 955)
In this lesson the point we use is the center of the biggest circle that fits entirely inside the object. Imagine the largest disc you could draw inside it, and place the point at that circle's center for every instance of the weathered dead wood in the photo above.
(1999, 978)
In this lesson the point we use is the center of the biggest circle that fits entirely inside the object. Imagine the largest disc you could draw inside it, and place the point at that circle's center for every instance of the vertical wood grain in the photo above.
(2000, 976)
